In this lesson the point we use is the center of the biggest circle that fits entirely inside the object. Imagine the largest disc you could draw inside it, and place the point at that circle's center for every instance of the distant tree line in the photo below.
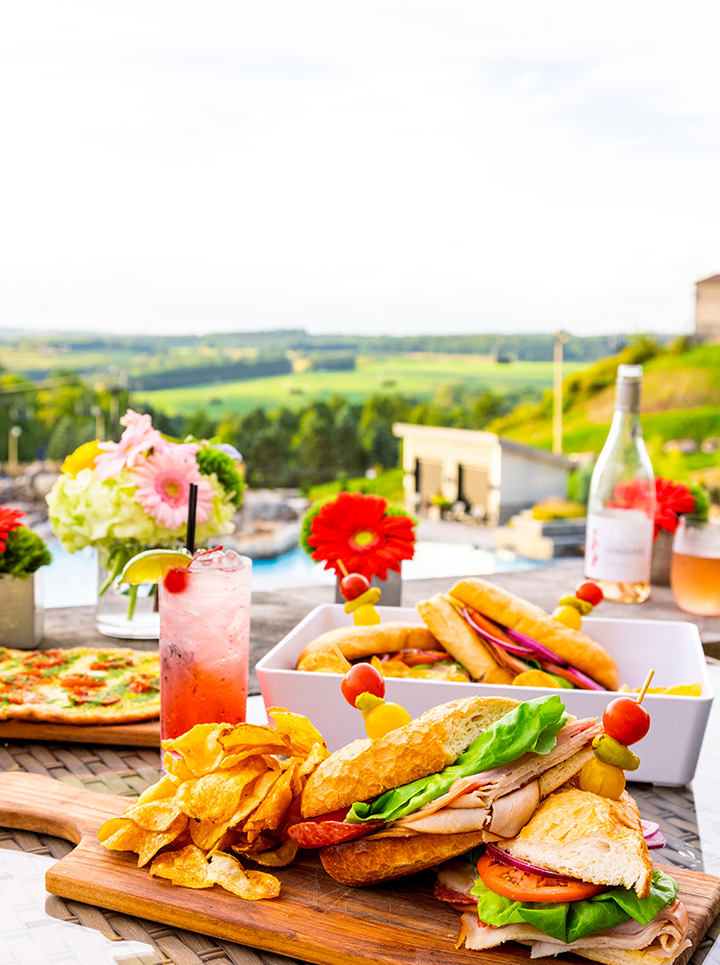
(187, 375)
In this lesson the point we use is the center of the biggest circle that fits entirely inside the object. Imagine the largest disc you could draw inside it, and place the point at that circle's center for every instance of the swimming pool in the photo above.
(71, 579)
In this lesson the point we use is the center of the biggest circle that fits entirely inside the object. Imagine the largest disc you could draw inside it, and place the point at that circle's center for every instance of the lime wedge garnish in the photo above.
(150, 566)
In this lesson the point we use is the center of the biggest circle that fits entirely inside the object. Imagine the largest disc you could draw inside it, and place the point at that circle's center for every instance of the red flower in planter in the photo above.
(355, 529)
(672, 499)
(9, 522)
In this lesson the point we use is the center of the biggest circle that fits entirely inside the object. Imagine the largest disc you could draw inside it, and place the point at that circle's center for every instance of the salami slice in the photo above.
(330, 829)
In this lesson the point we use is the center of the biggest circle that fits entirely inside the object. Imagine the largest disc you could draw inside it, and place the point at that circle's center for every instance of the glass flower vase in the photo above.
(124, 611)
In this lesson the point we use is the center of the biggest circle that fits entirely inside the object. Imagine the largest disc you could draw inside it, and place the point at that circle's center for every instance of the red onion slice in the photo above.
(654, 838)
(505, 858)
(657, 840)
(482, 632)
(527, 647)
(537, 648)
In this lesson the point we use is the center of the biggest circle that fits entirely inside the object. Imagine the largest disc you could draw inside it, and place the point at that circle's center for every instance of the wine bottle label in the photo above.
(618, 546)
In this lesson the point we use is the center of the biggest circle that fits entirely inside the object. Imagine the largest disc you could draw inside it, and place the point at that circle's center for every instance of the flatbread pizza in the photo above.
(80, 685)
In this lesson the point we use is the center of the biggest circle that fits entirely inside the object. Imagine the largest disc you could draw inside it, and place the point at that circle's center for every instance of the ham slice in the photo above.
(485, 792)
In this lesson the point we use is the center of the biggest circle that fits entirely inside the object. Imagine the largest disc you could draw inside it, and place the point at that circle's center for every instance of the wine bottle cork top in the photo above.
(626, 372)
(627, 388)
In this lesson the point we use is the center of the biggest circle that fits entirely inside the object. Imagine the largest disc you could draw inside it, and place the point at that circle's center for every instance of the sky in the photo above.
(377, 167)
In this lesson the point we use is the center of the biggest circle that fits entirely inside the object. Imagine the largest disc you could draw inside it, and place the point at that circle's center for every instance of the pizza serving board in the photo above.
(146, 733)
(314, 919)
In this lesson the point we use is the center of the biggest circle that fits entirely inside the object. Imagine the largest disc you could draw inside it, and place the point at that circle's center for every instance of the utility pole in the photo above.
(560, 339)
(13, 436)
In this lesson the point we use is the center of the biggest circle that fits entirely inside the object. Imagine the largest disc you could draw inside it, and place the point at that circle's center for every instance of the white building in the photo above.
(493, 476)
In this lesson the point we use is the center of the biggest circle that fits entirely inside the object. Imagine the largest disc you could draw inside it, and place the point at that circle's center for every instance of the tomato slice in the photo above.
(518, 885)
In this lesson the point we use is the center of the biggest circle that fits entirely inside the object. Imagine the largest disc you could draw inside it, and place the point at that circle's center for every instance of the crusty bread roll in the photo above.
(357, 642)
(362, 862)
(456, 636)
(587, 836)
(512, 611)
(367, 768)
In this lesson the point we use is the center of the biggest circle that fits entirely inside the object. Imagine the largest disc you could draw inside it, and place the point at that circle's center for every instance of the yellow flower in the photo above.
(82, 458)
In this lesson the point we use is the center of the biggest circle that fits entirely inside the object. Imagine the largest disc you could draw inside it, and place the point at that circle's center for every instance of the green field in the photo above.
(417, 376)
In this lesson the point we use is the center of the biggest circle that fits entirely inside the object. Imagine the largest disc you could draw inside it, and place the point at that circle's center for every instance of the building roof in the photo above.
(466, 437)
(714, 279)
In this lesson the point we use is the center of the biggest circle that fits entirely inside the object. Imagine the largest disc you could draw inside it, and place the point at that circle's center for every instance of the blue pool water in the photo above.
(71, 579)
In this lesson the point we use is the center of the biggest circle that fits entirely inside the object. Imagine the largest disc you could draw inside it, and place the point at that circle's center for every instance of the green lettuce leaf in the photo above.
(532, 726)
(569, 920)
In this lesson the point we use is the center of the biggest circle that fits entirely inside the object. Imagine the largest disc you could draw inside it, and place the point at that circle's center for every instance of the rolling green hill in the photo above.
(681, 400)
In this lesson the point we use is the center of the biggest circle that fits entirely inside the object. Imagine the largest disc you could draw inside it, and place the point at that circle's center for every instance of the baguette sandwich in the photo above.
(577, 878)
(498, 636)
(397, 650)
(467, 772)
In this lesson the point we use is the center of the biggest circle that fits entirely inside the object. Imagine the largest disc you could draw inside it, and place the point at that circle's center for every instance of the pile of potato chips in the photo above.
(227, 789)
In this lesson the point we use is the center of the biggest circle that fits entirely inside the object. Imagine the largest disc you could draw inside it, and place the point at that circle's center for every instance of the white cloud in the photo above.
(377, 166)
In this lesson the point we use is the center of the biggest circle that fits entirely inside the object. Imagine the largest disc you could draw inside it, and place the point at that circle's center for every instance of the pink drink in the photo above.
(204, 642)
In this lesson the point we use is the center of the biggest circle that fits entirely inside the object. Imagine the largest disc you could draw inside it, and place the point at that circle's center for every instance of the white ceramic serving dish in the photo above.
(668, 754)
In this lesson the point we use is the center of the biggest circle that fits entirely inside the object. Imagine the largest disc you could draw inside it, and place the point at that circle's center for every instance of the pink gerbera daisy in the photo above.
(138, 438)
(163, 486)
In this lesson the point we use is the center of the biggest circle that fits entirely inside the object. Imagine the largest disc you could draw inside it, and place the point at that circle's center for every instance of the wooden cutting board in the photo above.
(314, 919)
(143, 734)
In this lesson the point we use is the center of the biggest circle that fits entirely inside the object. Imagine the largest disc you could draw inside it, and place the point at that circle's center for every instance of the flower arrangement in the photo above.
(21, 551)
(362, 532)
(121, 497)
(672, 500)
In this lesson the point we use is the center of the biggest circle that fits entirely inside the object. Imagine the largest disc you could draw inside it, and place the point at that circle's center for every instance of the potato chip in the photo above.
(188, 867)
(227, 788)
(164, 788)
(269, 814)
(120, 834)
(300, 733)
(278, 857)
(250, 736)
(318, 753)
(200, 748)
(226, 871)
(154, 815)
(267, 753)
(177, 769)
(216, 797)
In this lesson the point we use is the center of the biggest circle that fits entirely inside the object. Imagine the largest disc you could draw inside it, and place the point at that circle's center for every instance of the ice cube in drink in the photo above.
(204, 642)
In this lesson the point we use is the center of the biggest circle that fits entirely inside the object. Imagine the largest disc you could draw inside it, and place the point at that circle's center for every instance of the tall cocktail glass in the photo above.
(204, 642)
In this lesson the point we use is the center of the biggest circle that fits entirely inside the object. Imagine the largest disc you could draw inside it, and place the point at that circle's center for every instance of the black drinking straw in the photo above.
(192, 511)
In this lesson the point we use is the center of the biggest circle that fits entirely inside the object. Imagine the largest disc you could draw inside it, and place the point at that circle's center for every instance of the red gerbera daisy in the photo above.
(353, 528)
(9, 521)
(671, 499)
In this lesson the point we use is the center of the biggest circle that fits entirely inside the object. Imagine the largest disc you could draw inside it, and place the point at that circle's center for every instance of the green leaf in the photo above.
(567, 921)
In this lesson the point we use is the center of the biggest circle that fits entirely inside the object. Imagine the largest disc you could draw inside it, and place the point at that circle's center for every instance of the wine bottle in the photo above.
(621, 506)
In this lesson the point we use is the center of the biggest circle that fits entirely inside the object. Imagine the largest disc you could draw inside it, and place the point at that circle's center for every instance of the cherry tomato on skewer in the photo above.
(360, 679)
(590, 592)
(354, 585)
(626, 720)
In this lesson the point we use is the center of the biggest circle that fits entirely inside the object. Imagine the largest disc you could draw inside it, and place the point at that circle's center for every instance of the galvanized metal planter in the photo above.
(21, 612)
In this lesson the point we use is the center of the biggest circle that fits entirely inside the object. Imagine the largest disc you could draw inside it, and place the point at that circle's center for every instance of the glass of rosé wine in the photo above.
(204, 641)
(695, 566)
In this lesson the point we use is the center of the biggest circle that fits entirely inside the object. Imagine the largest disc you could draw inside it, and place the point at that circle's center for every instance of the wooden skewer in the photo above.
(645, 686)
(342, 567)
(341, 655)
